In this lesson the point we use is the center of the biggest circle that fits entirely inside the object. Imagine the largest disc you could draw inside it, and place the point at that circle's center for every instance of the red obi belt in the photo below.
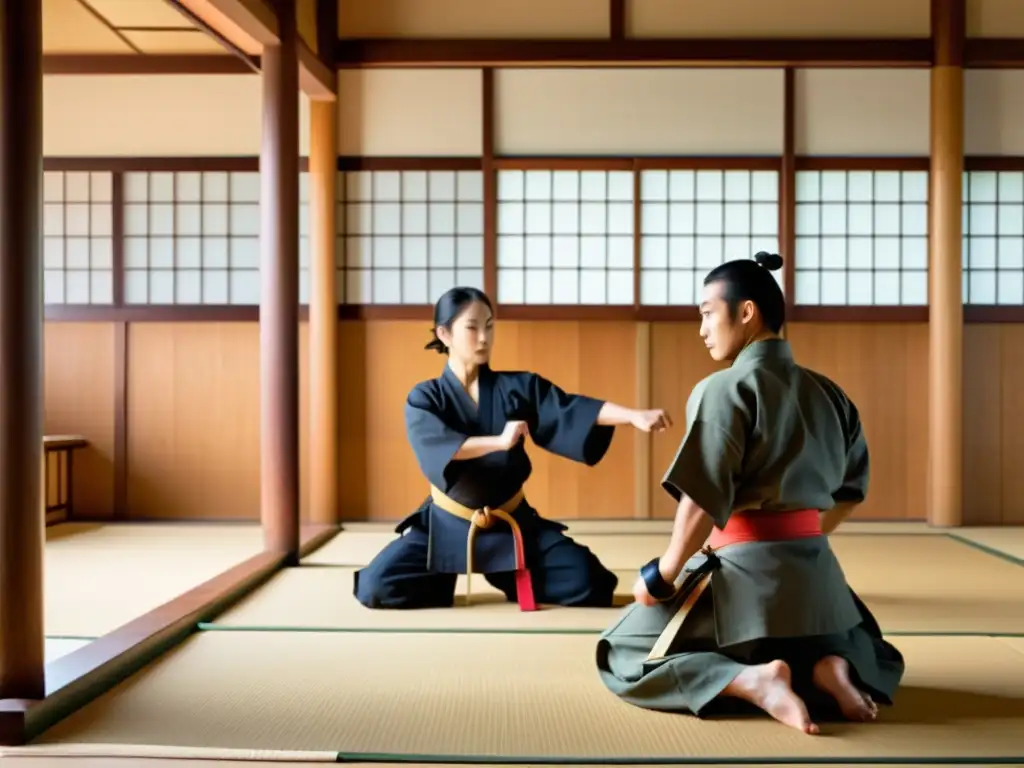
(761, 525)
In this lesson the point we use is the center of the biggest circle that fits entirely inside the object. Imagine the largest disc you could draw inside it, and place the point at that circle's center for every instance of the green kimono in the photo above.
(763, 434)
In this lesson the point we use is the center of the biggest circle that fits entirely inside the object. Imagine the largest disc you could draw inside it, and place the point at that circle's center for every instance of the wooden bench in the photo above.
(58, 475)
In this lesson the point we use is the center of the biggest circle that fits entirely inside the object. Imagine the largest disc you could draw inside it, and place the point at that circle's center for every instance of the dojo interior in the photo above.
(585, 162)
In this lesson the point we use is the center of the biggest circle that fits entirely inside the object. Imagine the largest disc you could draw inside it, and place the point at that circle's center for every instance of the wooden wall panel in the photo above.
(380, 362)
(1011, 445)
(355, 420)
(193, 420)
(993, 441)
(303, 420)
(78, 378)
(983, 411)
(193, 413)
(884, 368)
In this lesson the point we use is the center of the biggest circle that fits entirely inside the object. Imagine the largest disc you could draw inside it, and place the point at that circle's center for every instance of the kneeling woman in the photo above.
(759, 613)
(466, 428)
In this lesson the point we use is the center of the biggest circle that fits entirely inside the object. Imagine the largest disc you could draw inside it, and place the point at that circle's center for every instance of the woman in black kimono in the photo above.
(466, 428)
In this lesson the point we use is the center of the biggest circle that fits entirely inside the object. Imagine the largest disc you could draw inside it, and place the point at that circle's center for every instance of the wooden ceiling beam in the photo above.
(148, 64)
(989, 53)
(256, 18)
(236, 34)
(316, 79)
(848, 52)
(993, 53)
(226, 43)
(757, 52)
(243, 27)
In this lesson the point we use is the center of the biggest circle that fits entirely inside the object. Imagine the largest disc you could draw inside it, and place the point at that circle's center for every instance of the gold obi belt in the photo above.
(484, 518)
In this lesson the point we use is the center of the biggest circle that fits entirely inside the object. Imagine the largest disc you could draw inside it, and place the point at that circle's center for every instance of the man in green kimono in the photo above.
(774, 458)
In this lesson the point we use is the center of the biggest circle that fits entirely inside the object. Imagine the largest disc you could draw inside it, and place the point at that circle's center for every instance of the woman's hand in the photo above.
(656, 420)
(513, 432)
(475, 447)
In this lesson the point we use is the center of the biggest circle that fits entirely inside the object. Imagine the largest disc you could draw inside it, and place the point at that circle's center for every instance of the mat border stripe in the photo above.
(350, 562)
(960, 539)
(383, 757)
(214, 627)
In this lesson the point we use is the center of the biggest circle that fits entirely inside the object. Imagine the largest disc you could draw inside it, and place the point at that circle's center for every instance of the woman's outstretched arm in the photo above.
(612, 414)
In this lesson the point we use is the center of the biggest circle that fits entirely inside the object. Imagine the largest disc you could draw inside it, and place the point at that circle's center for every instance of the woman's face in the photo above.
(471, 337)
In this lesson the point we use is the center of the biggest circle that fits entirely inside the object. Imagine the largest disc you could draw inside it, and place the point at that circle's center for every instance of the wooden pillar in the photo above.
(787, 194)
(22, 526)
(279, 290)
(945, 324)
(323, 313)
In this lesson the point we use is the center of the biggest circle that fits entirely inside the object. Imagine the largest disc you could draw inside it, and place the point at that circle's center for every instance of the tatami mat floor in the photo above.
(913, 583)
(98, 577)
(300, 666)
(537, 699)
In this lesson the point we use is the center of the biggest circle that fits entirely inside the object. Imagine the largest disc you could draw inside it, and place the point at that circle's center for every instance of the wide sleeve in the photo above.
(566, 424)
(433, 442)
(855, 480)
(710, 457)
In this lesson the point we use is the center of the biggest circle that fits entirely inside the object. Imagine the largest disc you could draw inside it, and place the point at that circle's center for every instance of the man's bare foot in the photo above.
(769, 686)
(832, 675)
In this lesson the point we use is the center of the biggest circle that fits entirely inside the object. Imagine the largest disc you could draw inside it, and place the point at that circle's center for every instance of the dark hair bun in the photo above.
(770, 261)
(436, 344)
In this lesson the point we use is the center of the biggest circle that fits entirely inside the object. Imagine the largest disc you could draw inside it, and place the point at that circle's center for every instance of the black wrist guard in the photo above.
(657, 587)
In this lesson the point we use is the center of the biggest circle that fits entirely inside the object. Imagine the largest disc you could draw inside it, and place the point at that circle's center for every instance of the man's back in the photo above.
(807, 449)
(769, 434)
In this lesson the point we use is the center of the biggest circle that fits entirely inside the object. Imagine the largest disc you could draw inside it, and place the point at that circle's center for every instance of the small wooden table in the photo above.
(58, 456)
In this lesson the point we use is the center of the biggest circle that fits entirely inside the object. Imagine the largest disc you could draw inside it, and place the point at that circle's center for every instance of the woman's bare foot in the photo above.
(769, 686)
(832, 675)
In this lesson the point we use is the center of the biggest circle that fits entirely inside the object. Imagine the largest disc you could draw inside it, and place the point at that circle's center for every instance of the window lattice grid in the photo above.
(304, 242)
(694, 220)
(861, 238)
(305, 239)
(993, 237)
(565, 237)
(78, 243)
(193, 237)
(412, 235)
